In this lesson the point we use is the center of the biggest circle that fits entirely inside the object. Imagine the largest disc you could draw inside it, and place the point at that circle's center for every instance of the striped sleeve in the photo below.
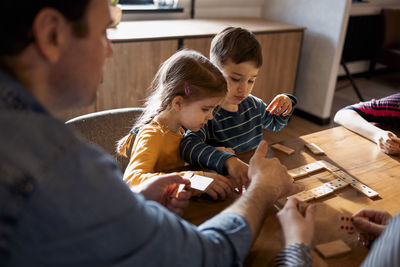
(195, 150)
(272, 122)
(385, 250)
(385, 111)
(295, 255)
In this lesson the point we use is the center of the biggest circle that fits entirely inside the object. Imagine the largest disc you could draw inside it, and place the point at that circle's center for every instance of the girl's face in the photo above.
(194, 115)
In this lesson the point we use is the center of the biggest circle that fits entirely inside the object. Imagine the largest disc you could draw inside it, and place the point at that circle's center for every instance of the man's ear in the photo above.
(50, 30)
(177, 103)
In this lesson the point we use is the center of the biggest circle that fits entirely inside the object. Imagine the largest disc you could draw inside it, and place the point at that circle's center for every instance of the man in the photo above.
(62, 201)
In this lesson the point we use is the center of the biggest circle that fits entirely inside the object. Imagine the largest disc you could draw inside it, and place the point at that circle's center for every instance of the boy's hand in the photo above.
(237, 170)
(281, 104)
(221, 188)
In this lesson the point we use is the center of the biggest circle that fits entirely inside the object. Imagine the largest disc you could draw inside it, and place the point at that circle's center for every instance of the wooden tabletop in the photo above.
(190, 28)
(350, 152)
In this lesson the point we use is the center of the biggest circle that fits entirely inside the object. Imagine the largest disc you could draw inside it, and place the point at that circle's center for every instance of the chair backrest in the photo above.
(105, 128)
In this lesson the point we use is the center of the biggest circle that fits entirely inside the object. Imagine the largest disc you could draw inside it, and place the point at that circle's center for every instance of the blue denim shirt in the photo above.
(63, 203)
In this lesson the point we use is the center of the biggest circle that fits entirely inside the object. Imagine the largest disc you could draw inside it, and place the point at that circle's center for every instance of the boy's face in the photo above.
(240, 78)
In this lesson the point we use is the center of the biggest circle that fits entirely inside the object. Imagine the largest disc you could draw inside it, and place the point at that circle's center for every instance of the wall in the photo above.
(325, 22)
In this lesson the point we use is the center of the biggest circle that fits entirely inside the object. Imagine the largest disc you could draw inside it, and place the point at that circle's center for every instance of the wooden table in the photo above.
(350, 152)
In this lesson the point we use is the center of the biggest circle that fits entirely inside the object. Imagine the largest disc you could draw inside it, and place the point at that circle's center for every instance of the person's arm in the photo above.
(385, 250)
(276, 115)
(195, 150)
(144, 156)
(297, 233)
(353, 121)
(269, 181)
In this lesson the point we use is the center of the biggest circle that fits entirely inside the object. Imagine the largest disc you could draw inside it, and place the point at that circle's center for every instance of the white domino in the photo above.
(364, 189)
(297, 172)
(336, 184)
(200, 182)
(328, 166)
(315, 149)
(312, 167)
(304, 196)
(321, 191)
(356, 184)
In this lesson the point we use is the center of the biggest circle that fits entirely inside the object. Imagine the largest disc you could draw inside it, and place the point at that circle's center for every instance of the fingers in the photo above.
(220, 189)
(261, 150)
(281, 104)
(367, 226)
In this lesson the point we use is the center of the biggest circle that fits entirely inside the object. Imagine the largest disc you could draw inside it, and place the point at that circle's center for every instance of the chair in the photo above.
(389, 52)
(105, 128)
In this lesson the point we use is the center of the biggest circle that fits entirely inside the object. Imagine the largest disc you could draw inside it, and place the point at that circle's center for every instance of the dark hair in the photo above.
(237, 44)
(17, 18)
(187, 73)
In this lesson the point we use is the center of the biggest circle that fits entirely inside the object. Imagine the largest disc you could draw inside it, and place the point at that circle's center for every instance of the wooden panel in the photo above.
(128, 74)
(280, 60)
(201, 45)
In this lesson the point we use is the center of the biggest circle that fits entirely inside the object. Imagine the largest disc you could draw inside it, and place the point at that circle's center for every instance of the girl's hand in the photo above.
(296, 228)
(226, 149)
(281, 104)
(221, 188)
(237, 170)
(388, 142)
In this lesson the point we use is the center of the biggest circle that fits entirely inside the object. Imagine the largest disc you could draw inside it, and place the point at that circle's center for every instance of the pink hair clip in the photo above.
(187, 89)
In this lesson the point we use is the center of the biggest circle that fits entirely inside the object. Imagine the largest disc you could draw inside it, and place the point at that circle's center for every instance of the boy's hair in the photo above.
(236, 44)
(18, 16)
(188, 74)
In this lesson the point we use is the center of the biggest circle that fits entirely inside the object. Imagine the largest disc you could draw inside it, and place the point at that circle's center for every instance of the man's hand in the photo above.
(237, 170)
(296, 228)
(269, 173)
(370, 223)
(163, 190)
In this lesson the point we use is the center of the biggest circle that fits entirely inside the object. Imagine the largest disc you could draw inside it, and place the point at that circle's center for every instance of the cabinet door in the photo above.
(201, 45)
(280, 60)
(128, 74)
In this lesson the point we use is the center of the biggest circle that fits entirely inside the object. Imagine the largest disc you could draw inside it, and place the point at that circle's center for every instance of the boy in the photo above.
(239, 122)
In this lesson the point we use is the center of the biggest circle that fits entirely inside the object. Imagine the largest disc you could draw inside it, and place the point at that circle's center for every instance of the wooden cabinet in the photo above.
(141, 46)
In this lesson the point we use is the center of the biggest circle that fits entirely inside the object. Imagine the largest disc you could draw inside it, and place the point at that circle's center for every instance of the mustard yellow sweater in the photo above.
(155, 151)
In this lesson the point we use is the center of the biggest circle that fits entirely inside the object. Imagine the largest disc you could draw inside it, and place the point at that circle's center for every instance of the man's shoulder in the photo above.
(34, 141)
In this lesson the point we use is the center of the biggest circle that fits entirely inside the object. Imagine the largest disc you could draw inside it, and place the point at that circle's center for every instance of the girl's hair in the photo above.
(236, 44)
(188, 74)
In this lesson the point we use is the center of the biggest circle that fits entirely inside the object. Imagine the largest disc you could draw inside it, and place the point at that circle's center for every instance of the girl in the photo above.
(186, 89)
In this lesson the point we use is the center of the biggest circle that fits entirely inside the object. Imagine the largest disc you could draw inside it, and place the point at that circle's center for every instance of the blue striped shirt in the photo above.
(241, 131)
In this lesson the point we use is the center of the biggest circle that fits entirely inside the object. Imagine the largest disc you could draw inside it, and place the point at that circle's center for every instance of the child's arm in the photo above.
(276, 115)
(353, 121)
(144, 155)
(195, 150)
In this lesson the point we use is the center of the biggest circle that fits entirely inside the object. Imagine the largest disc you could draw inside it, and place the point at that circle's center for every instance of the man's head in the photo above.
(57, 49)
(238, 53)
